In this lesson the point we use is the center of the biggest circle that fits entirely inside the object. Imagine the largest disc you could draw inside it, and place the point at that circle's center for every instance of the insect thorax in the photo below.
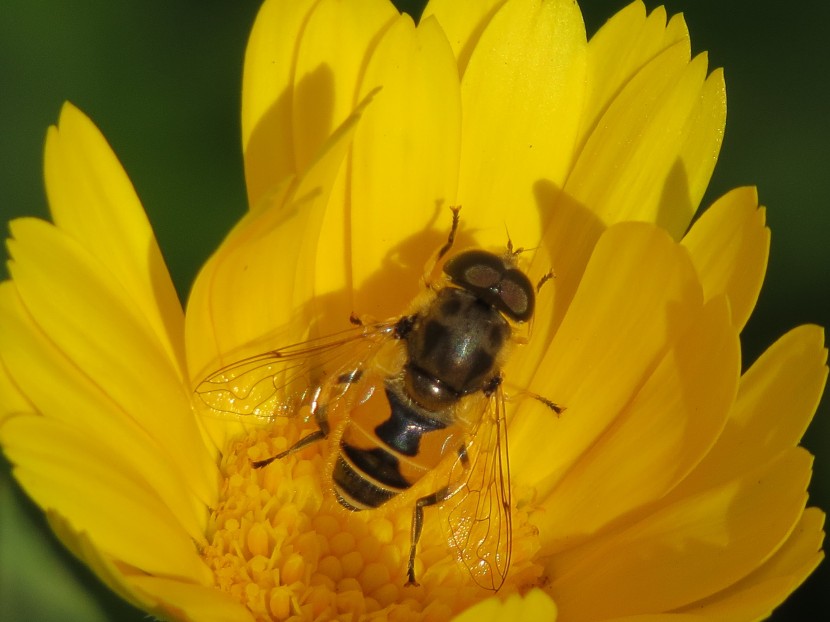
(453, 348)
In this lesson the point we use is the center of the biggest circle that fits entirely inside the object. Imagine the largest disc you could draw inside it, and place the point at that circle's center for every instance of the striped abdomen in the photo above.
(386, 447)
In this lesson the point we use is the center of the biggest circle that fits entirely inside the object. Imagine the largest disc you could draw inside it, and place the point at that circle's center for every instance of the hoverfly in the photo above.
(411, 393)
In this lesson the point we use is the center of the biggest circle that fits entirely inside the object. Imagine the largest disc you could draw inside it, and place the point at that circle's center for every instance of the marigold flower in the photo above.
(671, 486)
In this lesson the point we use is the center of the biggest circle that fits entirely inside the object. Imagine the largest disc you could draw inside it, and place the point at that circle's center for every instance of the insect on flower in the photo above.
(397, 399)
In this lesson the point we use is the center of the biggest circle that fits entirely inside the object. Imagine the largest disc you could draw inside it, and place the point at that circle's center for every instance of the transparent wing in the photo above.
(478, 511)
(278, 383)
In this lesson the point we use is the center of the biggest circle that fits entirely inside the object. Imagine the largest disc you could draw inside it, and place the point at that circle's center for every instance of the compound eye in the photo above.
(479, 275)
(486, 276)
(475, 269)
(516, 295)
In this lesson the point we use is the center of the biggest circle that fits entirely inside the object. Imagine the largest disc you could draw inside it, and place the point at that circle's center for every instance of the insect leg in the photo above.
(418, 518)
(320, 417)
(417, 526)
(431, 271)
(318, 435)
(557, 408)
(521, 394)
(453, 229)
(545, 278)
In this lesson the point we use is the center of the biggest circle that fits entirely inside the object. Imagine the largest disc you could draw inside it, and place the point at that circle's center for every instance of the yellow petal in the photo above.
(729, 245)
(659, 617)
(535, 605)
(685, 551)
(57, 389)
(754, 597)
(92, 200)
(638, 295)
(248, 298)
(404, 175)
(653, 147)
(567, 243)
(88, 483)
(331, 57)
(169, 598)
(620, 48)
(90, 318)
(689, 178)
(463, 21)
(303, 64)
(267, 140)
(777, 398)
(163, 597)
(225, 286)
(636, 146)
(617, 52)
(112, 573)
(12, 400)
(657, 439)
(521, 99)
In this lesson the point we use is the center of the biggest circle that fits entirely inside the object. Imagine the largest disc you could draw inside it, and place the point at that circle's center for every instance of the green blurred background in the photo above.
(162, 81)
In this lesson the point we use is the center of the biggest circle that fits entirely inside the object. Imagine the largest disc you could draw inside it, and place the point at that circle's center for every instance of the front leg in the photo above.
(431, 272)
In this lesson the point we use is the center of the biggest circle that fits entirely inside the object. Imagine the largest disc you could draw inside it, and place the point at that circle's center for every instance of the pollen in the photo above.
(283, 546)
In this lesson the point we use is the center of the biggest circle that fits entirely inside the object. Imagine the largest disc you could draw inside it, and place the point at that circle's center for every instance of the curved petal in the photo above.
(187, 601)
(12, 399)
(90, 485)
(620, 49)
(237, 294)
(248, 298)
(112, 573)
(777, 398)
(522, 95)
(163, 597)
(729, 245)
(268, 76)
(696, 160)
(463, 21)
(639, 294)
(92, 200)
(403, 175)
(686, 550)
(58, 389)
(659, 617)
(754, 597)
(644, 161)
(659, 437)
(94, 322)
(303, 64)
(636, 149)
(331, 57)
(535, 605)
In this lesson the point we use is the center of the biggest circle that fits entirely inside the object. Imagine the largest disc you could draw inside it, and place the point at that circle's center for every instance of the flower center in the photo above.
(282, 545)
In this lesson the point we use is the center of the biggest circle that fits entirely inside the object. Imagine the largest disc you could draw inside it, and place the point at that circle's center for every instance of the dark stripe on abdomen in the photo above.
(353, 489)
(378, 464)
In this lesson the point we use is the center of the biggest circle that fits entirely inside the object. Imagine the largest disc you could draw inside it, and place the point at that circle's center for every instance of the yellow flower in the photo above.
(672, 484)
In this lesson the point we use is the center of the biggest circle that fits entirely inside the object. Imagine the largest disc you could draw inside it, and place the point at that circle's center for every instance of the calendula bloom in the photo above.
(671, 484)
